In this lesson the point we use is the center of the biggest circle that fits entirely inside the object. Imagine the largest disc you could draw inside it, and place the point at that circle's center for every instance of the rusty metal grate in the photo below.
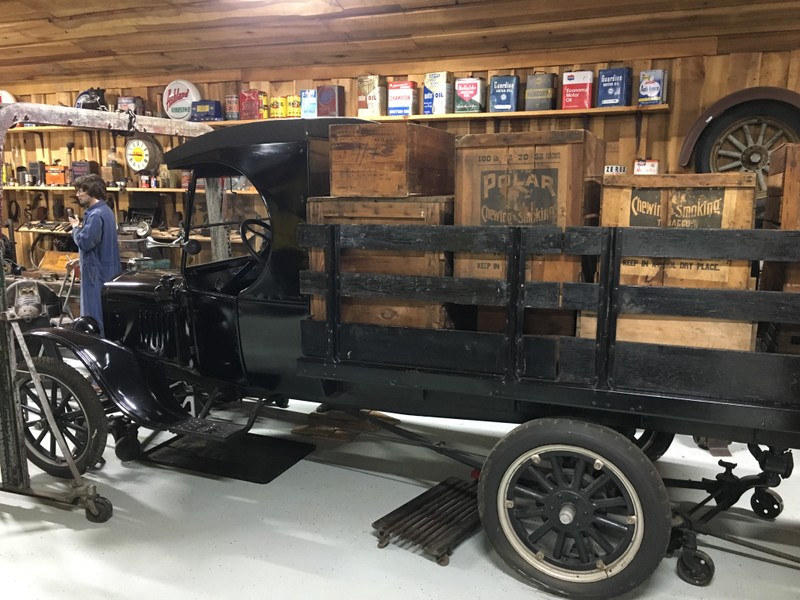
(435, 521)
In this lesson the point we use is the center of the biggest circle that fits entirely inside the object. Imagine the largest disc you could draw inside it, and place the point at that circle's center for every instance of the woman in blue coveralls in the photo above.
(97, 241)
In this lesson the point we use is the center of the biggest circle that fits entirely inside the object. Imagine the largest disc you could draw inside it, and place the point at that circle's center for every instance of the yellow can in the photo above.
(277, 107)
(293, 106)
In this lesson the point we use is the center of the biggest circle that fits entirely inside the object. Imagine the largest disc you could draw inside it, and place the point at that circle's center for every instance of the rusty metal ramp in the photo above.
(435, 521)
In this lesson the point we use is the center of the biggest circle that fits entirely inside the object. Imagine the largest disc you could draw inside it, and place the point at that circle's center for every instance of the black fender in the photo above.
(786, 96)
(138, 388)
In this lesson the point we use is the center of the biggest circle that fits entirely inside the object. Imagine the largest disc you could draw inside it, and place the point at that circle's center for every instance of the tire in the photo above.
(654, 444)
(717, 152)
(597, 535)
(78, 412)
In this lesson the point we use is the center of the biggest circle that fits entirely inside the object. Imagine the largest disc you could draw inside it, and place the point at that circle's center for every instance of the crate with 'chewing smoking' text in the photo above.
(702, 201)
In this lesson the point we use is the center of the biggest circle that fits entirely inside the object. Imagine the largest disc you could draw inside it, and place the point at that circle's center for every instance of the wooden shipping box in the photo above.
(543, 178)
(428, 210)
(702, 201)
(391, 160)
(783, 197)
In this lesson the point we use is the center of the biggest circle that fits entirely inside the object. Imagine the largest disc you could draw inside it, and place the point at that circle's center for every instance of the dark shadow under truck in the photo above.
(567, 499)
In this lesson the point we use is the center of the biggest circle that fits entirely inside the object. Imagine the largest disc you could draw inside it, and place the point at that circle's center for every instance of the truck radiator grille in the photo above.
(158, 332)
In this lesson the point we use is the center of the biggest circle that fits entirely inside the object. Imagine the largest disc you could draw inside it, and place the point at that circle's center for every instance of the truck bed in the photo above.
(746, 396)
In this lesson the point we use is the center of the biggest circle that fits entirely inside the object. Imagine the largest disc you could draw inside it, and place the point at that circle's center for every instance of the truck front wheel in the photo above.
(574, 507)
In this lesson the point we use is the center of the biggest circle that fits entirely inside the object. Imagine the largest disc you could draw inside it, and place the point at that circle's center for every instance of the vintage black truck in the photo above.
(568, 499)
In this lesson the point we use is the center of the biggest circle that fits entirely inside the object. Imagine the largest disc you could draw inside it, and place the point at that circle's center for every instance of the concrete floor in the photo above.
(307, 535)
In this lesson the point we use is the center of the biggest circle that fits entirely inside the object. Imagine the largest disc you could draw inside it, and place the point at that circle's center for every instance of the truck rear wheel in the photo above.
(574, 507)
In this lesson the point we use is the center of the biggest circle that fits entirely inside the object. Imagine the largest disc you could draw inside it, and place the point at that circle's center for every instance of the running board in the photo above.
(436, 521)
(217, 430)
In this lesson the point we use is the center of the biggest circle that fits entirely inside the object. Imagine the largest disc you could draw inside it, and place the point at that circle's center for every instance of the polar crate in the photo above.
(432, 210)
(547, 178)
(388, 160)
(702, 201)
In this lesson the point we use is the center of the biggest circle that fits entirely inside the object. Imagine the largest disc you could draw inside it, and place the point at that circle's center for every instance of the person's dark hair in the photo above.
(92, 184)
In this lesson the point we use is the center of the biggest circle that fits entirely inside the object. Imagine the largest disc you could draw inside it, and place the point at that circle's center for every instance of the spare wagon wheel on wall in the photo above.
(741, 131)
(744, 138)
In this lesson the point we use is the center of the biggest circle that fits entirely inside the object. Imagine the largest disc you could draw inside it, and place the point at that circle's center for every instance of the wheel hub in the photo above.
(568, 508)
(755, 158)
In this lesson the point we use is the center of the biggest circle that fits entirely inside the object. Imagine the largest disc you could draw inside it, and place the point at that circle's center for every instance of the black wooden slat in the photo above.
(584, 240)
(311, 236)
(429, 348)
(543, 240)
(313, 282)
(313, 338)
(748, 376)
(425, 238)
(539, 357)
(542, 294)
(433, 289)
(580, 296)
(745, 305)
(576, 358)
(755, 244)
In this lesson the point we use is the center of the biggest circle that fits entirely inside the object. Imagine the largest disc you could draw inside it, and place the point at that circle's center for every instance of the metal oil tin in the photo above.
(277, 107)
(293, 106)
(232, 107)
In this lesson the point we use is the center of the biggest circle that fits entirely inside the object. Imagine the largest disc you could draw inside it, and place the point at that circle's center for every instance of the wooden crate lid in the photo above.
(693, 180)
(407, 199)
(526, 138)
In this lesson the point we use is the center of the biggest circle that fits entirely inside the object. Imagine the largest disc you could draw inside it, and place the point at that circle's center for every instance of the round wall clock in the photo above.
(143, 153)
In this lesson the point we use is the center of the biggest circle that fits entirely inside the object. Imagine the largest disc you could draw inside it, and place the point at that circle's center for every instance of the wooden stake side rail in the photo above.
(601, 373)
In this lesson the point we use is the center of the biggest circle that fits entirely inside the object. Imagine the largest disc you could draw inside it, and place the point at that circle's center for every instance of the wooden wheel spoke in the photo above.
(583, 548)
(577, 474)
(600, 539)
(558, 548)
(558, 472)
(610, 523)
(596, 485)
(604, 503)
(539, 532)
(540, 479)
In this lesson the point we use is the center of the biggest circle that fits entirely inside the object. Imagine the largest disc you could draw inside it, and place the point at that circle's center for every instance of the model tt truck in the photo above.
(568, 498)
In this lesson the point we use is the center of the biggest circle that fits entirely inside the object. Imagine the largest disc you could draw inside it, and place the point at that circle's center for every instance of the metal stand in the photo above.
(695, 566)
(13, 460)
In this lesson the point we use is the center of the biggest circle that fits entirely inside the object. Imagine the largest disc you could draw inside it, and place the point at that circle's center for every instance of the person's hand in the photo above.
(74, 221)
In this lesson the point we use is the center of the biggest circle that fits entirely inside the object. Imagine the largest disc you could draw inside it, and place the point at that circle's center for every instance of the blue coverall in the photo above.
(99, 257)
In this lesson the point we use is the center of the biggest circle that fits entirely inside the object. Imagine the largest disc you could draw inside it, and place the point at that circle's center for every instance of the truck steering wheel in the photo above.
(251, 230)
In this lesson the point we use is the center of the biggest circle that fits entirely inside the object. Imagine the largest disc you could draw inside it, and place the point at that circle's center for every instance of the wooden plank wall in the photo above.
(695, 82)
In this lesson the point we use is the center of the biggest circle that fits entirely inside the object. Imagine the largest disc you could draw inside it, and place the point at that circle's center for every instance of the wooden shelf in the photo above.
(525, 114)
(68, 188)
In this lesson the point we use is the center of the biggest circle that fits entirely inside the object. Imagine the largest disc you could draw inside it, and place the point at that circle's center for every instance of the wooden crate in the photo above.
(783, 204)
(535, 321)
(390, 160)
(702, 201)
(548, 178)
(384, 211)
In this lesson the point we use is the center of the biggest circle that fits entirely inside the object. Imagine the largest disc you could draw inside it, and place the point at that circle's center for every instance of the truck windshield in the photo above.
(220, 205)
